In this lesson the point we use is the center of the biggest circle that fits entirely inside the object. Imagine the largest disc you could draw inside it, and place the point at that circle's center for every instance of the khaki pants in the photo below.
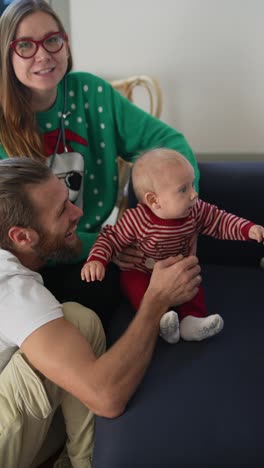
(28, 404)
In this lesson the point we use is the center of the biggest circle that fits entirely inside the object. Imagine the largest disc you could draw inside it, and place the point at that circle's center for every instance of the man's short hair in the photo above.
(16, 206)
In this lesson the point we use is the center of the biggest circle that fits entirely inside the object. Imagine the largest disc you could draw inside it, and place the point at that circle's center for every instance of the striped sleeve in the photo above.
(219, 224)
(113, 239)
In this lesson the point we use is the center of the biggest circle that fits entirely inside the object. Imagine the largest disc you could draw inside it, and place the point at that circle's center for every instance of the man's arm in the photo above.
(105, 384)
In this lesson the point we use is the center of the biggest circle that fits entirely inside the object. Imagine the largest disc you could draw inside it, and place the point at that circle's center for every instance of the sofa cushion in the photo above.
(237, 188)
(200, 404)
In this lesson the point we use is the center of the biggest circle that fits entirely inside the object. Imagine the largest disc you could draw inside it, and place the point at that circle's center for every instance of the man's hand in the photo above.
(256, 232)
(93, 271)
(128, 257)
(175, 280)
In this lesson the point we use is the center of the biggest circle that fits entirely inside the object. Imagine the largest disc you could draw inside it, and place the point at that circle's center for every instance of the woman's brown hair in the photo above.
(18, 127)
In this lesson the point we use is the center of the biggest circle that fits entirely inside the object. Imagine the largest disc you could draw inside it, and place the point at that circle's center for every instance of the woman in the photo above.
(78, 124)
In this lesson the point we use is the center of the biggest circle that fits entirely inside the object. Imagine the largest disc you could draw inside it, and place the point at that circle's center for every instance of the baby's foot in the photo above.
(169, 327)
(200, 328)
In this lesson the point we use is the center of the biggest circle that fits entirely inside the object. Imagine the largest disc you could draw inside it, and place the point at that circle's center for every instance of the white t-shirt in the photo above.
(25, 304)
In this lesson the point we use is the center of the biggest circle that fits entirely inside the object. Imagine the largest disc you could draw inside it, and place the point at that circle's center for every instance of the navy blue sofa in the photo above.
(202, 404)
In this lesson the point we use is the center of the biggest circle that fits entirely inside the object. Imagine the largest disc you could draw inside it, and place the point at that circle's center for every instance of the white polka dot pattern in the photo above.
(87, 106)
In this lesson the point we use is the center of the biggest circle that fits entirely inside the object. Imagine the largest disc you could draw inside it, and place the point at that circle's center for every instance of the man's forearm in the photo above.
(118, 372)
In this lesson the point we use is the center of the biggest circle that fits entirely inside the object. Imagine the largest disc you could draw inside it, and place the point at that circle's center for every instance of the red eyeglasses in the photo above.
(27, 48)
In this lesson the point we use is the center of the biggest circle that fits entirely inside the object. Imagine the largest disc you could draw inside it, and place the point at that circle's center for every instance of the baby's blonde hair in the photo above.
(148, 169)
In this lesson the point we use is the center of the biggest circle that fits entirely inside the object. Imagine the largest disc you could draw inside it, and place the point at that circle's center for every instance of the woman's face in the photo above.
(42, 72)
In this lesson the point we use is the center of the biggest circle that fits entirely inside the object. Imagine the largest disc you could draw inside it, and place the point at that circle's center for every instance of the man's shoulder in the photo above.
(25, 303)
(20, 285)
(10, 266)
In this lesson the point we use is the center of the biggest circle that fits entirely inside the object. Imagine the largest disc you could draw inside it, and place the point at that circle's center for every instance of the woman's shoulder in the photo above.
(3, 154)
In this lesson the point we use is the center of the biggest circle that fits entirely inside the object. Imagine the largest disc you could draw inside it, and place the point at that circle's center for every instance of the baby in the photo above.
(165, 223)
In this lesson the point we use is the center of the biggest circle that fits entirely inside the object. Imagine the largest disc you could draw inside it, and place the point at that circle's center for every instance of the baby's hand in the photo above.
(256, 232)
(92, 271)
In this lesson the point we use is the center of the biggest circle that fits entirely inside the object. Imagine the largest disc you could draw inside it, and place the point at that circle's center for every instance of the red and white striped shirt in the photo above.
(161, 238)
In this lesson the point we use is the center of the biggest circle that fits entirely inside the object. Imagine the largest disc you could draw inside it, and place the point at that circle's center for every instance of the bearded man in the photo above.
(53, 354)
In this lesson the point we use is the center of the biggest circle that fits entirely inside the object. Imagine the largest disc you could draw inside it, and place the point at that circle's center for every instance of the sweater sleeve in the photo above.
(139, 131)
(219, 224)
(113, 239)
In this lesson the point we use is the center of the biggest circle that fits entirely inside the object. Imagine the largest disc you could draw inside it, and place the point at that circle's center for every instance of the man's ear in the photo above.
(151, 200)
(23, 237)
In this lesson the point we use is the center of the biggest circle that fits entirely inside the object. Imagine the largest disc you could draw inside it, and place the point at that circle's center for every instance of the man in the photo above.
(61, 358)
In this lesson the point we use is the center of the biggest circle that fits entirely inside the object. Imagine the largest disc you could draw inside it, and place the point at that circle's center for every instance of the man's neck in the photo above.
(30, 261)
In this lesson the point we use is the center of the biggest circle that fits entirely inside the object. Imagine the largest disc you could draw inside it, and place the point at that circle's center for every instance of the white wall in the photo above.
(62, 8)
(208, 56)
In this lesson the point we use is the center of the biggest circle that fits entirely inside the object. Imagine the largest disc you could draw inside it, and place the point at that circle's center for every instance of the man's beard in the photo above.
(56, 249)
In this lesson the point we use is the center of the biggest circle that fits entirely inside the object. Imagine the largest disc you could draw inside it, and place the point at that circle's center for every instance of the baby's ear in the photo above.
(151, 200)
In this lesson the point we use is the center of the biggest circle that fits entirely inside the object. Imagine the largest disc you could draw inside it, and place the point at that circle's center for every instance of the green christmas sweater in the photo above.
(100, 124)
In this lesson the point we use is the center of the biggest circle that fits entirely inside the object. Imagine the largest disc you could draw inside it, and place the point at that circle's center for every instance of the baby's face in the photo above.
(176, 192)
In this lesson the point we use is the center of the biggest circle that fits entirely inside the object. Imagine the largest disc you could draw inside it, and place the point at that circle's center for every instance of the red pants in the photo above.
(134, 284)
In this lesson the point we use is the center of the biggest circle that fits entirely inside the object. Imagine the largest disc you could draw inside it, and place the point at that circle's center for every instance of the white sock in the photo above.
(169, 327)
(200, 328)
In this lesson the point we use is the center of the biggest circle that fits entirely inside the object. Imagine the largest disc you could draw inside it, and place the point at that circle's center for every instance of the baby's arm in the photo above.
(256, 232)
(92, 271)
